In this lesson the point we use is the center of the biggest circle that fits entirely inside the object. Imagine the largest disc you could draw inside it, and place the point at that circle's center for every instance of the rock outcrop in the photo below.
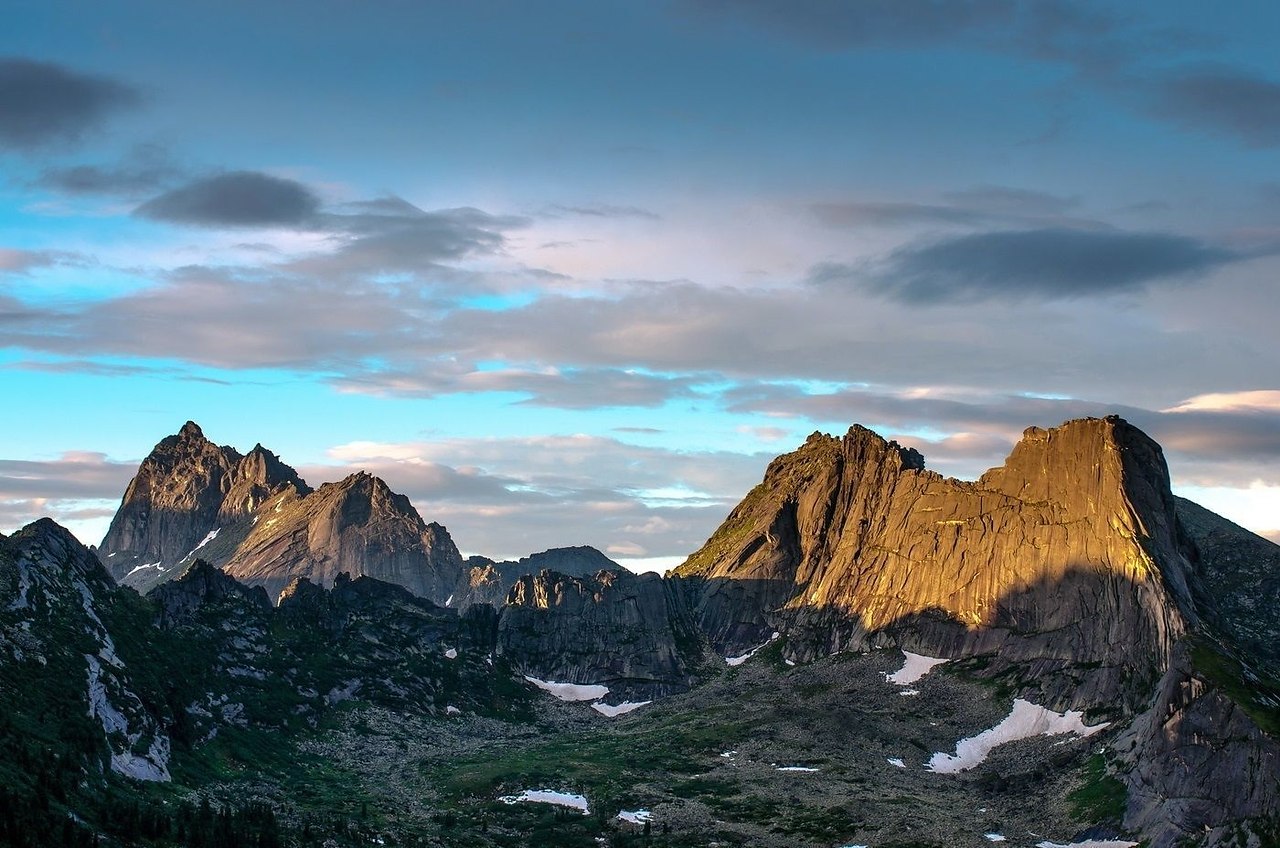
(56, 647)
(634, 633)
(356, 526)
(489, 582)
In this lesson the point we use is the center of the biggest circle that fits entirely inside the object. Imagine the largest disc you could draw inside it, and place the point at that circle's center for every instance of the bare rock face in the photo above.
(171, 503)
(634, 633)
(1238, 574)
(186, 493)
(1066, 556)
(1197, 761)
(357, 526)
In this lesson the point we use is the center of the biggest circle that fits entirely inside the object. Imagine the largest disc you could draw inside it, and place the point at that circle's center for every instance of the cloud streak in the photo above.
(1033, 264)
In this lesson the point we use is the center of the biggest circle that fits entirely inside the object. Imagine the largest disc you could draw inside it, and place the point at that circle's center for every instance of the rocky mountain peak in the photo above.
(848, 543)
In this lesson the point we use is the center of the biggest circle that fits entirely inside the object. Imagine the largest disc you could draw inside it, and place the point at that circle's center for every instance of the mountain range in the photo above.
(286, 665)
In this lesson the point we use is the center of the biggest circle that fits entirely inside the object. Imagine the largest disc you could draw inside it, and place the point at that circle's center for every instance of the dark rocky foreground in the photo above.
(1069, 579)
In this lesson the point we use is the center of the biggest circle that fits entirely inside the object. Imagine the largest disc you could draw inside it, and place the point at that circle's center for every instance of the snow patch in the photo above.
(452, 710)
(635, 816)
(1023, 722)
(452, 653)
(1089, 843)
(895, 761)
(736, 661)
(795, 768)
(612, 710)
(548, 796)
(994, 837)
(571, 691)
(916, 667)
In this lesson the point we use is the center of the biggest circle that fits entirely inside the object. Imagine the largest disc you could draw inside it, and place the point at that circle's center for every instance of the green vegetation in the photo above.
(1101, 797)
(1247, 690)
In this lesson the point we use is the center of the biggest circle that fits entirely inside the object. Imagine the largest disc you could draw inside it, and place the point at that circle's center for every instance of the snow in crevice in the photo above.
(613, 710)
(571, 691)
(803, 769)
(137, 568)
(915, 667)
(548, 796)
(209, 537)
(1023, 722)
(449, 602)
(994, 837)
(739, 660)
(896, 762)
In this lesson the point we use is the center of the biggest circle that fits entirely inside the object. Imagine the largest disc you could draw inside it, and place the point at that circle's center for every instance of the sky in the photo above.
(574, 272)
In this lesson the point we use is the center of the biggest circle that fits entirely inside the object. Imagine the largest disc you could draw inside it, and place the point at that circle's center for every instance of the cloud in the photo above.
(1225, 101)
(74, 475)
(44, 104)
(1031, 264)
(569, 388)
(144, 171)
(966, 208)
(600, 210)
(391, 235)
(22, 261)
(509, 497)
(235, 199)
(1007, 200)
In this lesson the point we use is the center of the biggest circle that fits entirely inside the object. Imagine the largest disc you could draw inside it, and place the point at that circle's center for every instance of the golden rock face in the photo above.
(1074, 534)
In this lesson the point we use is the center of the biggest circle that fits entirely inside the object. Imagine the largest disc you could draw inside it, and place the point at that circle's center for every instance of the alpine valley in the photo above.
(865, 653)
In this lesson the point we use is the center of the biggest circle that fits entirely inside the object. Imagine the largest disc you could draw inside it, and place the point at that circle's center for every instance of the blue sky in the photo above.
(571, 273)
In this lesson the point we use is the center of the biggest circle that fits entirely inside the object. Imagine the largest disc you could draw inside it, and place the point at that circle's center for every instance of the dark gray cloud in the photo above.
(235, 199)
(144, 171)
(1225, 101)
(1031, 264)
(45, 104)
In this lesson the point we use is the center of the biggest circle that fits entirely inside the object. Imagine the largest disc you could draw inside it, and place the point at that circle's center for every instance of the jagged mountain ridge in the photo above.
(1070, 574)
(255, 517)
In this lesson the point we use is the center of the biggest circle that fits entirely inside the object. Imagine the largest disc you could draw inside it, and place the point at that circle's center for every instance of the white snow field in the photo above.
(1023, 722)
